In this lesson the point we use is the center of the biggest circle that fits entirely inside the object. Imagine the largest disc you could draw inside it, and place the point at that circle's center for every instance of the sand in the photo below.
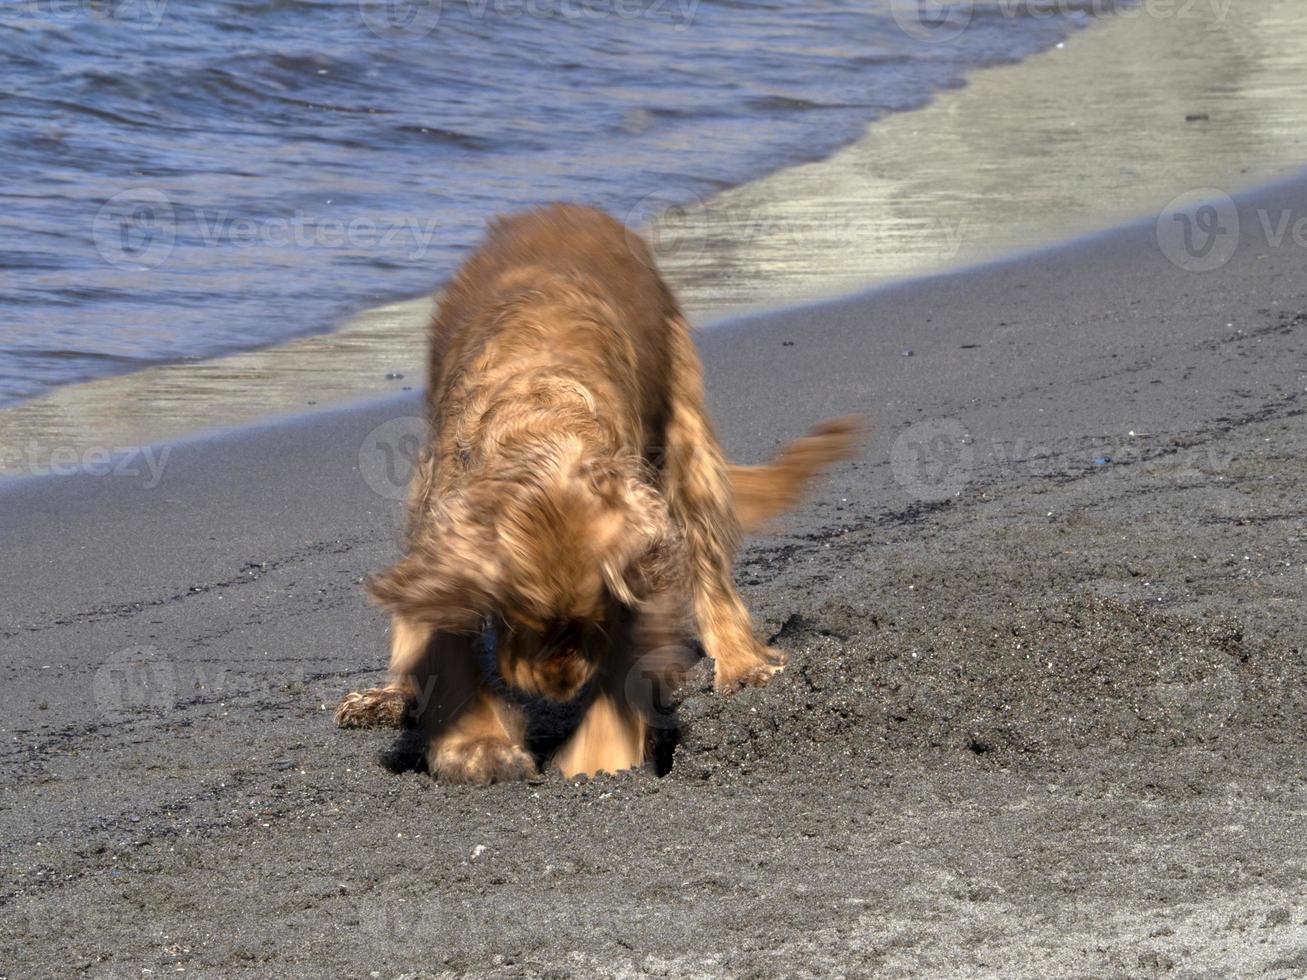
(1044, 713)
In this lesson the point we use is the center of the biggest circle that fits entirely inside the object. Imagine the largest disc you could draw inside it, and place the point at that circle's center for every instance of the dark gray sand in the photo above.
(1044, 713)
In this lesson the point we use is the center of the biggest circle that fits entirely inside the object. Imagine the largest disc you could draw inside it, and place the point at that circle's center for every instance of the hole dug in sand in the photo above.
(1025, 683)
(549, 725)
(1032, 681)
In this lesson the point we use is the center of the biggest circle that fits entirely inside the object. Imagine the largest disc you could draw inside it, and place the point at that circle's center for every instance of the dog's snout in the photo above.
(555, 659)
(564, 637)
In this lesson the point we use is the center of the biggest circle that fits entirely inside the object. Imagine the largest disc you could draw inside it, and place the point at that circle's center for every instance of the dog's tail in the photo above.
(762, 492)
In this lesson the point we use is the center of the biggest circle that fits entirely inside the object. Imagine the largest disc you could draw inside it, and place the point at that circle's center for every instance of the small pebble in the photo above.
(907, 353)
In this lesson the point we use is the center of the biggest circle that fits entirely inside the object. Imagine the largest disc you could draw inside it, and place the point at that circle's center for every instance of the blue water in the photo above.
(181, 178)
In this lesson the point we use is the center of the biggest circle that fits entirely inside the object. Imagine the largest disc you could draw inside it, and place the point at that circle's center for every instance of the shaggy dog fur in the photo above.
(573, 497)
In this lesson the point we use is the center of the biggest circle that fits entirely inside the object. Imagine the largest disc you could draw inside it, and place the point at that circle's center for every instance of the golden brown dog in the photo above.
(573, 496)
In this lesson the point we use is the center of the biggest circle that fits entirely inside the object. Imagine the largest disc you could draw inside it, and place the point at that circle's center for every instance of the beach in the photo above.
(1107, 126)
(1043, 714)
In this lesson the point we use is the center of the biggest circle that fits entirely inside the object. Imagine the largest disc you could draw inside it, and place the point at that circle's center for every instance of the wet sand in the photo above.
(1044, 712)
(1161, 100)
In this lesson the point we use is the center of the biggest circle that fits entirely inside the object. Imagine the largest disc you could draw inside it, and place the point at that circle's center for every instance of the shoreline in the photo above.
(1042, 713)
(1272, 201)
(836, 227)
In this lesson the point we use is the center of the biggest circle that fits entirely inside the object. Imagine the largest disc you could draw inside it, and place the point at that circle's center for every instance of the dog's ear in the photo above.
(641, 551)
(449, 579)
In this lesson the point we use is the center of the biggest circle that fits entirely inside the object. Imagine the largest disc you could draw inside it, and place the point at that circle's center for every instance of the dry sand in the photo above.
(1044, 713)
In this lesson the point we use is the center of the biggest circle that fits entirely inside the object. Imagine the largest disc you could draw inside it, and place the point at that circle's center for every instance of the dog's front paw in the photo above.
(379, 707)
(754, 671)
(480, 761)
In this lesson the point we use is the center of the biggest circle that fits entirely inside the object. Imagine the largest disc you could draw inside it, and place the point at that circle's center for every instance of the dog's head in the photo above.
(550, 554)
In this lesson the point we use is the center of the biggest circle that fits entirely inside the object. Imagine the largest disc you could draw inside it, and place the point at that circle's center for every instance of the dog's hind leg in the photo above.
(699, 495)
(385, 706)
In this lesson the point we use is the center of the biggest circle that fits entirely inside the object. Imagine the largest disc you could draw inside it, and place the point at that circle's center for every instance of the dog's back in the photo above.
(560, 247)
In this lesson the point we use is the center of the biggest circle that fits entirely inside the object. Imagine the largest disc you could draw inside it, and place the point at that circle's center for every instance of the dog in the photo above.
(572, 500)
